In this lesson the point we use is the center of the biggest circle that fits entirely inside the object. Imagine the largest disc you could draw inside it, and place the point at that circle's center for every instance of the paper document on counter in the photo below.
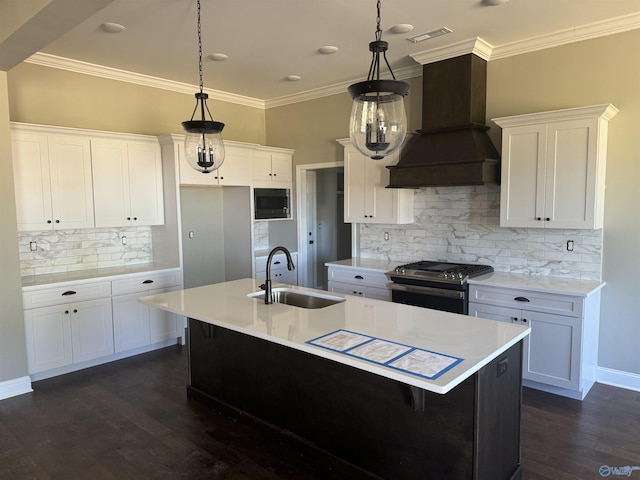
(397, 356)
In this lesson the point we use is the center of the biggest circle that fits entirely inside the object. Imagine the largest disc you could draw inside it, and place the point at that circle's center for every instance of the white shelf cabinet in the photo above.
(366, 199)
(272, 168)
(52, 175)
(127, 179)
(560, 354)
(279, 271)
(553, 168)
(359, 282)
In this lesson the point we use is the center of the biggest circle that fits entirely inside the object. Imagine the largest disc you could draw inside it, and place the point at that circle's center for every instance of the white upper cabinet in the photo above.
(52, 175)
(366, 198)
(272, 168)
(127, 179)
(553, 168)
(236, 169)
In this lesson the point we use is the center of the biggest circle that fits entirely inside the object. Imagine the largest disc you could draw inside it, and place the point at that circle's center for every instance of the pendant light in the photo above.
(203, 146)
(378, 123)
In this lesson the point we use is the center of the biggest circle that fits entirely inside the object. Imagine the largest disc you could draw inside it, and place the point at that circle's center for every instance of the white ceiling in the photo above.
(267, 40)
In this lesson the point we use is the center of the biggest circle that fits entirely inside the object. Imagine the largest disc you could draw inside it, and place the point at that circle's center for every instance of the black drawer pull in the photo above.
(277, 262)
(69, 292)
(359, 277)
(147, 281)
(522, 299)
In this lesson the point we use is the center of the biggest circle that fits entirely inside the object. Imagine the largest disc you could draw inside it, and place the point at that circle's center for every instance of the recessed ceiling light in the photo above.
(401, 28)
(328, 49)
(292, 78)
(112, 27)
(426, 36)
(218, 57)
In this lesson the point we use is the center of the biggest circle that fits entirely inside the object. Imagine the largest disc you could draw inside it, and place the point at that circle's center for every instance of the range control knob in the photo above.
(460, 275)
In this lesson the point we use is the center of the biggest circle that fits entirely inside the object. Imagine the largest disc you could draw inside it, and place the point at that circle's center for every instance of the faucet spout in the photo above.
(267, 283)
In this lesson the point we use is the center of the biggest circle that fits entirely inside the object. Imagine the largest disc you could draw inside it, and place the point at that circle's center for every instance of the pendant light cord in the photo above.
(200, 50)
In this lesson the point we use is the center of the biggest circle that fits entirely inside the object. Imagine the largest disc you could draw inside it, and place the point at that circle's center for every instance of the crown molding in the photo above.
(336, 89)
(563, 37)
(476, 46)
(76, 66)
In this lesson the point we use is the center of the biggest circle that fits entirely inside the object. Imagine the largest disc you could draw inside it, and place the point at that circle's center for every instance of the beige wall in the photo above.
(51, 96)
(604, 70)
(13, 357)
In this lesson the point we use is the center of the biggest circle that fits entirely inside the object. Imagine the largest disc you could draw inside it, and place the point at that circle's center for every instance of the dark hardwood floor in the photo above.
(131, 420)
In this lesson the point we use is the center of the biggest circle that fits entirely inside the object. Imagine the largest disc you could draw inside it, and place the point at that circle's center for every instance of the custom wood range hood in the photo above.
(453, 147)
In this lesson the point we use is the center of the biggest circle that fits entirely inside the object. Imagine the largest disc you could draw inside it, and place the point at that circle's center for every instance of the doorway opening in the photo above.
(322, 234)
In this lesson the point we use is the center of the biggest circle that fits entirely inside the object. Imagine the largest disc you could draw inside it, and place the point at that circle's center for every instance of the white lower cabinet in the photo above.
(279, 271)
(75, 325)
(560, 354)
(135, 324)
(359, 282)
(60, 335)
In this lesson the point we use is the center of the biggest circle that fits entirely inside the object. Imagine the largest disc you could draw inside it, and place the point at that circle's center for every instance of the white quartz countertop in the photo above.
(476, 341)
(94, 273)
(365, 264)
(559, 285)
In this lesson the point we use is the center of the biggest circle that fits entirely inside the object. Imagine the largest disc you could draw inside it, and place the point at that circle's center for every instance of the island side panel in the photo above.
(401, 432)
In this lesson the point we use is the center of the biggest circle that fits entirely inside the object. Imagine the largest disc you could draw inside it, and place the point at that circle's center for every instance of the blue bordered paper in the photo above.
(404, 358)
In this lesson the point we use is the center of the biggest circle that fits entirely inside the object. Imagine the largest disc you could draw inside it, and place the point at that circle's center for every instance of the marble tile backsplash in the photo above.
(62, 251)
(462, 224)
(260, 235)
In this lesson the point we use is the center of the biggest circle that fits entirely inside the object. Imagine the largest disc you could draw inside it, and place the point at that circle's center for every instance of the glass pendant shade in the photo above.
(378, 123)
(203, 145)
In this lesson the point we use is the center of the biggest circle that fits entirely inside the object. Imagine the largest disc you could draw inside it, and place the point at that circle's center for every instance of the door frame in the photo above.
(301, 185)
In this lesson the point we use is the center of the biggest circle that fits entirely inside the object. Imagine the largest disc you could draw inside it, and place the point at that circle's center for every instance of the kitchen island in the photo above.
(400, 391)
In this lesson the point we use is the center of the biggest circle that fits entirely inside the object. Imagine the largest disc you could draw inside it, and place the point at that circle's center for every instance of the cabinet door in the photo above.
(91, 329)
(163, 325)
(130, 322)
(522, 193)
(554, 351)
(237, 167)
(71, 184)
(111, 183)
(145, 184)
(281, 168)
(355, 181)
(571, 174)
(48, 337)
(31, 181)
(261, 169)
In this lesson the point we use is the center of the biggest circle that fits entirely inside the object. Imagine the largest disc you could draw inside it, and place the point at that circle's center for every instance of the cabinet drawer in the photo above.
(527, 300)
(142, 283)
(70, 293)
(355, 276)
(279, 260)
(360, 290)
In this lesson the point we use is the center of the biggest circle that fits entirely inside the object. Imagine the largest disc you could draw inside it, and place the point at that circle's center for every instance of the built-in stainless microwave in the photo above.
(271, 203)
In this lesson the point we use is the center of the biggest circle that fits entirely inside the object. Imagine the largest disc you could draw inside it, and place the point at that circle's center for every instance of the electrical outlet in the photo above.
(386, 235)
(569, 245)
(33, 246)
(502, 366)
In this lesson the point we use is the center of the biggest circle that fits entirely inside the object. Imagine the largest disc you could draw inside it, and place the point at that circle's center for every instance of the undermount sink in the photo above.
(297, 298)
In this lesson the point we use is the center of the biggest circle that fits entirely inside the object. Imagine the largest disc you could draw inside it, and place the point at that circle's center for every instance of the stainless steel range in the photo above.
(436, 285)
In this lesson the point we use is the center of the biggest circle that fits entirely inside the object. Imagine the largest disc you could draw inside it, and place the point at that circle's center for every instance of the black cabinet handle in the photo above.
(75, 310)
(522, 299)
(147, 281)
(48, 221)
(57, 221)
(66, 312)
(359, 277)
(69, 292)
(524, 320)
(277, 262)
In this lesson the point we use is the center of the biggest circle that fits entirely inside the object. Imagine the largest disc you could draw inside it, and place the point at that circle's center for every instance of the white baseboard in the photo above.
(15, 386)
(618, 378)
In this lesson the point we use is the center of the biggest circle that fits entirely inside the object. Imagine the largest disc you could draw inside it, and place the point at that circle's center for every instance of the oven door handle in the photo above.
(436, 292)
